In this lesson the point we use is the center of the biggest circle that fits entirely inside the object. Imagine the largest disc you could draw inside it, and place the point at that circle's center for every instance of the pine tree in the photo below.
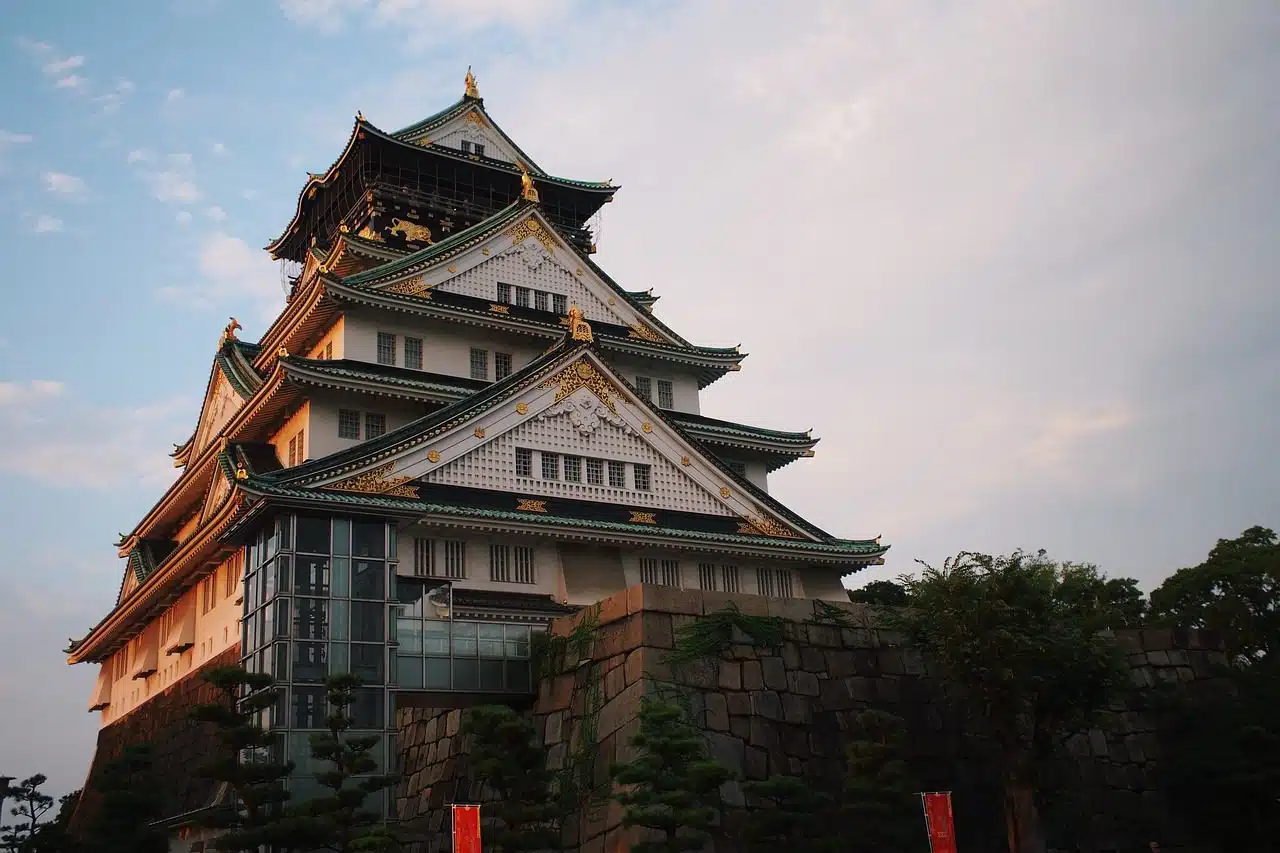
(791, 814)
(339, 821)
(506, 755)
(672, 787)
(880, 807)
(30, 806)
(130, 803)
(244, 764)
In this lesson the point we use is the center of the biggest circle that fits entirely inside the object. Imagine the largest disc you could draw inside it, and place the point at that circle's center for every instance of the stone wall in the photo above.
(788, 712)
(178, 744)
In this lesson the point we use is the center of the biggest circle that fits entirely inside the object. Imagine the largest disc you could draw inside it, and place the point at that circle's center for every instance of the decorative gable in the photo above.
(475, 129)
(220, 403)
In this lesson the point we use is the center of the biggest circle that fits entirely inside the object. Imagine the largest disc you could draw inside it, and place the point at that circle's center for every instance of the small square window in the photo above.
(550, 466)
(501, 365)
(348, 424)
(465, 145)
(540, 300)
(645, 386)
(522, 297)
(641, 475)
(617, 474)
(524, 462)
(413, 353)
(479, 364)
(374, 425)
(559, 303)
(573, 469)
(386, 348)
(595, 472)
(293, 451)
(328, 350)
(504, 293)
(479, 149)
(666, 395)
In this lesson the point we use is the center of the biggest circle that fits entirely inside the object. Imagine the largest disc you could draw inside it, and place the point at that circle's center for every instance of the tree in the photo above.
(1235, 591)
(245, 764)
(1085, 589)
(880, 593)
(1026, 651)
(789, 813)
(30, 806)
(880, 806)
(130, 803)
(671, 786)
(339, 820)
(505, 753)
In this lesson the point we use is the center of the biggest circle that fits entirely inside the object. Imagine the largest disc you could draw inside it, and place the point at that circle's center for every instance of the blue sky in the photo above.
(1013, 262)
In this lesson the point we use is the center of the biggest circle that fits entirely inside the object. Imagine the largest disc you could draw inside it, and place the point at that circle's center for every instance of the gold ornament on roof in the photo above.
(433, 456)
(644, 517)
(579, 328)
(684, 460)
(522, 408)
(473, 91)
(528, 191)
(415, 286)
(646, 426)
(367, 233)
(241, 474)
(229, 333)
(725, 491)
(765, 527)
(582, 374)
(479, 432)
(477, 119)
(529, 505)
(411, 231)
(643, 332)
(376, 482)
(531, 228)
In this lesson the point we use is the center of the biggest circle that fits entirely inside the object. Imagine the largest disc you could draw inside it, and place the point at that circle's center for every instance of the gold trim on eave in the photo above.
(530, 505)
(376, 482)
(579, 328)
(582, 374)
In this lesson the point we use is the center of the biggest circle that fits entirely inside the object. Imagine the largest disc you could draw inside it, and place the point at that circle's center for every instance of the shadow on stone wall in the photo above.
(789, 712)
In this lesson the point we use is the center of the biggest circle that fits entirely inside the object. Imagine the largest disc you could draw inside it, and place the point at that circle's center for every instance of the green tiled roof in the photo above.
(715, 425)
(235, 359)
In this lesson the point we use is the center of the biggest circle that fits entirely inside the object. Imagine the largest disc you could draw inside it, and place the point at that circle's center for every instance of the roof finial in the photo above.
(229, 333)
(579, 328)
(528, 191)
(359, 115)
(473, 91)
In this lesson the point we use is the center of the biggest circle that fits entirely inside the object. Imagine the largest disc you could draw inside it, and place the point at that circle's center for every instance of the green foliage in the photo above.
(505, 753)
(788, 812)
(880, 804)
(1083, 589)
(713, 634)
(339, 821)
(29, 806)
(1024, 644)
(1235, 591)
(549, 653)
(130, 801)
(881, 594)
(671, 786)
(244, 763)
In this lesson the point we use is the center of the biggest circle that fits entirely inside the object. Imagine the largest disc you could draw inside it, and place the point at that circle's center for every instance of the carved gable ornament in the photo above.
(586, 413)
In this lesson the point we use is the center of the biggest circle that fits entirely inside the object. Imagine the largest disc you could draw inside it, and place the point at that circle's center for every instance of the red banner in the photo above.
(938, 821)
(466, 829)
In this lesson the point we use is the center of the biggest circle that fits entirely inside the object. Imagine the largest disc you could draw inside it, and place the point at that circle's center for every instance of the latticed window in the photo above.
(465, 145)
(559, 303)
(523, 567)
(671, 573)
(293, 451)
(302, 446)
(707, 576)
(424, 557)
(522, 297)
(739, 468)
(540, 300)
(504, 293)
(479, 363)
(374, 425)
(729, 579)
(641, 475)
(413, 353)
(328, 350)
(617, 474)
(478, 149)
(775, 583)
(595, 472)
(660, 572)
(500, 563)
(666, 396)
(550, 466)
(348, 423)
(386, 348)
(524, 462)
(648, 570)
(455, 559)
(645, 386)
(501, 365)
(573, 469)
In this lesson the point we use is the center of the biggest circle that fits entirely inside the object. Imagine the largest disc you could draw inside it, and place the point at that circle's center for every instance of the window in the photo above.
(641, 476)
(739, 468)
(293, 451)
(671, 573)
(523, 564)
(501, 365)
(648, 570)
(348, 424)
(374, 425)
(660, 572)
(524, 462)
(479, 149)
(328, 350)
(540, 300)
(550, 466)
(617, 474)
(645, 386)
(522, 297)
(479, 363)
(500, 563)
(707, 576)
(465, 145)
(573, 469)
(302, 445)
(386, 348)
(233, 576)
(595, 472)
(504, 293)
(666, 399)
(775, 583)
(424, 562)
(559, 303)
(729, 579)
(413, 353)
(455, 559)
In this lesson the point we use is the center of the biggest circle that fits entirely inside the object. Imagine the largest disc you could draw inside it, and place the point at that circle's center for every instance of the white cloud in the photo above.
(248, 195)
(231, 275)
(183, 217)
(60, 66)
(8, 138)
(324, 15)
(112, 99)
(215, 213)
(71, 81)
(64, 184)
(173, 186)
(174, 95)
(138, 155)
(32, 391)
(426, 19)
(45, 223)
(181, 158)
(219, 149)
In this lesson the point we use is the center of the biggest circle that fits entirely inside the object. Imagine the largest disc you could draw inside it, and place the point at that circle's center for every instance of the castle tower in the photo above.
(458, 428)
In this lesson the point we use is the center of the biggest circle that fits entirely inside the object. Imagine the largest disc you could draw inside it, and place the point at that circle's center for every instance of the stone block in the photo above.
(1098, 743)
(556, 755)
(775, 673)
(835, 695)
(612, 608)
(664, 599)
(728, 750)
(795, 709)
(1158, 658)
(891, 661)
(752, 675)
(740, 727)
(1186, 673)
(756, 763)
(791, 609)
(765, 703)
(614, 682)
(1142, 677)
(717, 712)
(791, 655)
(730, 675)
(752, 605)
(762, 733)
(555, 728)
(554, 694)
(825, 635)
(731, 794)
(1133, 749)
(840, 663)
(739, 704)
(812, 660)
(620, 709)
(453, 722)
(1157, 639)
(804, 683)
(703, 674)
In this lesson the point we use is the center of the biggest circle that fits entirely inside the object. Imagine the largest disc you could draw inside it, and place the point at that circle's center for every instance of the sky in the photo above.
(1014, 261)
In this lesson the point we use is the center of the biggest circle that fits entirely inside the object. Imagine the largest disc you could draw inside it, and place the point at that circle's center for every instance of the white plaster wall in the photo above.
(299, 420)
(548, 575)
(748, 570)
(684, 386)
(322, 420)
(446, 347)
(336, 335)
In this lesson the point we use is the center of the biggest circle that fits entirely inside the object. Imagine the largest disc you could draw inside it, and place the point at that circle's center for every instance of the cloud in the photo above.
(248, 195)
(8, 138)
(138, 155)
(173, 186)
(231, 275)
(33, 390)
(71, 81)
(113, 98)
(426, 20)
(324, 15)
(59, 66)
(64, 184)
(45, 223)
(215, 213)
(183, 217)
(174, 95)
(219, 149)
